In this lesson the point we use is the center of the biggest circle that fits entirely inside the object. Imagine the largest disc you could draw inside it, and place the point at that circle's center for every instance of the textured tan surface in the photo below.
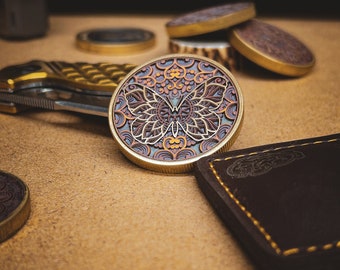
(93, 209)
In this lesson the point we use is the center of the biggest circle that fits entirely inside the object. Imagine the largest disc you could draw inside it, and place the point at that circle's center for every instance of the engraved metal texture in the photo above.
(272, 48)
(208, 13)
(210, 19)
(275, 42)
(79, 75)
(103, 74)
(14, 205)
(85, 87)
(175, 109)
(12, 193)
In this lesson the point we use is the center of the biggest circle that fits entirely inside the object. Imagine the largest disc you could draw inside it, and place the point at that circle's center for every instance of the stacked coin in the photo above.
(115, 41)
(212, 45)
(230, 34)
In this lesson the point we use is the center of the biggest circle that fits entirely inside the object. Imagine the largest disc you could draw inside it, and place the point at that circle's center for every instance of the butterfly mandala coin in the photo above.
(171, 111)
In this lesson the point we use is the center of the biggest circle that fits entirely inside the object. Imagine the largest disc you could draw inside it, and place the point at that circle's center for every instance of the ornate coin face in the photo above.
(272, 48)
(115, 40)
(210, 19)
(171, 111)
(14, 205)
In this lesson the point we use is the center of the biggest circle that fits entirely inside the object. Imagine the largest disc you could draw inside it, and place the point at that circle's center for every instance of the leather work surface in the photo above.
(91, 208)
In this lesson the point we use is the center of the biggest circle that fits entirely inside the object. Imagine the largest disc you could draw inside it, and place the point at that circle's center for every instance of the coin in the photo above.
(14, 204)
(210, 19)
(272, 48)
(172, 110)
(115, 40)
(213, 45)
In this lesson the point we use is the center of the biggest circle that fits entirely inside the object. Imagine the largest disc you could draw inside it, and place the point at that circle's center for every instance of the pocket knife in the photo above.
(56, 85)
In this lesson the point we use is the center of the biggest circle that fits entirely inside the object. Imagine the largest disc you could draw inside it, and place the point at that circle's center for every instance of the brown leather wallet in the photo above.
(281, 201)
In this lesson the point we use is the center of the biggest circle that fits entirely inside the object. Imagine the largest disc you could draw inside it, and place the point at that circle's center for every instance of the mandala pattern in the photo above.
(175, 108)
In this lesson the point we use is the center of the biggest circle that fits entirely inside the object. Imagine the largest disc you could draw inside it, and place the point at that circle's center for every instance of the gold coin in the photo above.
(173, 110)
(272, 48)
(210, 19)
(115, 40)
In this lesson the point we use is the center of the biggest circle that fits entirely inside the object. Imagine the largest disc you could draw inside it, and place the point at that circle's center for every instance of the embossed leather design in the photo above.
(281, 201)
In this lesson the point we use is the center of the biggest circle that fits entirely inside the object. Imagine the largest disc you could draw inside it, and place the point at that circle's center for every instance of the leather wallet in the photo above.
(280, 201)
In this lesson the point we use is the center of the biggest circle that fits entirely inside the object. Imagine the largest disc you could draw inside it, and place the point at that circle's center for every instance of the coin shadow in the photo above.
(93, 124)
(253, 70)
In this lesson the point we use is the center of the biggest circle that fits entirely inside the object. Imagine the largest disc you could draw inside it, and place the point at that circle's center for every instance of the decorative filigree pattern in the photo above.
(175, 108)
(255, 165)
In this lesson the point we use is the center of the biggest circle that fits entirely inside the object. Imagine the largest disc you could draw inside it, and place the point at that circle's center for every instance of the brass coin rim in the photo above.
(213, 24)
(265, 60)
(182, 166)
(17, 218)
(83, 43)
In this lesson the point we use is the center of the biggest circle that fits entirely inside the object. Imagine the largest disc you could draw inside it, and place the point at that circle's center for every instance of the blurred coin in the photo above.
(115, 40)
(14, 205)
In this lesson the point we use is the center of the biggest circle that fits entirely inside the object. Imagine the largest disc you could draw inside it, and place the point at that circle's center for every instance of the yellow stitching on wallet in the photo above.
(256, 223)
(312, 248)
(327, 246)
(243, 208)
(290, 251)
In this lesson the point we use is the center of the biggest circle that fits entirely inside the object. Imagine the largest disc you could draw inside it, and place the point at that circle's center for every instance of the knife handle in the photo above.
(93, 78)
(79, 75)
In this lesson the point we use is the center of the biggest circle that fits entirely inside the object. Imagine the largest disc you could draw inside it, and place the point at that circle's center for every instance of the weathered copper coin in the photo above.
(210, 19)
(115, 40)
(14, 205)
(272, 48)
(171, 111)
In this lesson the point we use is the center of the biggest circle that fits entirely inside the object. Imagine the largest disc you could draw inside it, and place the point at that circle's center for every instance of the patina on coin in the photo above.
(115, 40)
(272, 48)
(14, 205)
(173, 110)
(210, 19)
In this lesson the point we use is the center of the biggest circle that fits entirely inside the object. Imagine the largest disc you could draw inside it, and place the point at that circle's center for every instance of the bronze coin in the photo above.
(171, 111)
(210, 19)
(272, 48)
(14, 205)
(212, 45)
(115, 40)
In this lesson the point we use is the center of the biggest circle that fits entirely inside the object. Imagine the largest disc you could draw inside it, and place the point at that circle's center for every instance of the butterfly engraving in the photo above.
(194, 114)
